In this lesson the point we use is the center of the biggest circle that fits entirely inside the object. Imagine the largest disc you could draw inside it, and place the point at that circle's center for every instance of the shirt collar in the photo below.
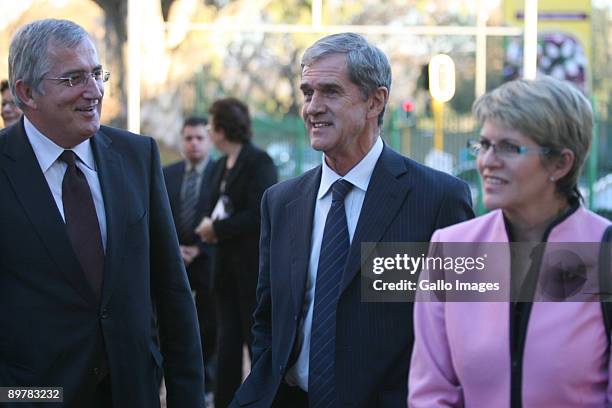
(47, 151)
(359, 176)
(199, 168)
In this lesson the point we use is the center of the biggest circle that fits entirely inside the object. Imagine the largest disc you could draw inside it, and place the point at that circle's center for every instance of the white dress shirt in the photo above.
(359, 176)
(47, 154)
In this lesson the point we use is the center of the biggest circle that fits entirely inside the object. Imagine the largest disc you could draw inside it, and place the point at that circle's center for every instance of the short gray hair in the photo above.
(28, 53)
(368, 67)
(550, 112)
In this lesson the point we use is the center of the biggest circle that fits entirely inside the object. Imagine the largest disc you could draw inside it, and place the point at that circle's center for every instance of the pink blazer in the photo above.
(461, 355)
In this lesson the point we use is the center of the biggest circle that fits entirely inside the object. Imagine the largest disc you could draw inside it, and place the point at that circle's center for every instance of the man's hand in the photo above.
(189, 253)
(206, 231)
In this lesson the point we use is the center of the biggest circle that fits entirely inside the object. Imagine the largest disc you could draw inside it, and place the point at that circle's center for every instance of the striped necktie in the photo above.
(189, 200)
(332, 261)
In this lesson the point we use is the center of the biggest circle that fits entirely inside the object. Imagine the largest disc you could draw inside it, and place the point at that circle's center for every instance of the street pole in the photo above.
(133, 65)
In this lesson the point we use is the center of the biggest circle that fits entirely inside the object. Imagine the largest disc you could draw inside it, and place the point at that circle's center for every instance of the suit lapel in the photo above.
(174, 190)
(299, 216)
(33, 192)
(382, 202)
(111, 176)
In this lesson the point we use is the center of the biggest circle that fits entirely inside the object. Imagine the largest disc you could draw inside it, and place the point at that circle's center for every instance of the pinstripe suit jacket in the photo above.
(405, 202)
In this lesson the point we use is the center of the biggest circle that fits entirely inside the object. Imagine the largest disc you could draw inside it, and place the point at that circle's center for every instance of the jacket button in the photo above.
(96, 371)
(295, 317)
(104, 314)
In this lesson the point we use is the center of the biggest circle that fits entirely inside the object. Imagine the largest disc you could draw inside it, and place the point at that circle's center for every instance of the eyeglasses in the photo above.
(80, 78)
(505, 149)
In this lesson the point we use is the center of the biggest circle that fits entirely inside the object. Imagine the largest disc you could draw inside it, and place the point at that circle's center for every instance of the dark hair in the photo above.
(195, 121)
(232, 116)
(4, 85)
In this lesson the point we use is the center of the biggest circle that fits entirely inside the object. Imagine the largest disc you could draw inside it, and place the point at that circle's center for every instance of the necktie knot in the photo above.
(68, 157)
(340, 189)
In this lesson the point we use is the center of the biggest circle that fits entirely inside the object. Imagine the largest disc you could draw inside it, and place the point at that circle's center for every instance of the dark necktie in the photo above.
(332, 260)
(189, 200)
(82, 222)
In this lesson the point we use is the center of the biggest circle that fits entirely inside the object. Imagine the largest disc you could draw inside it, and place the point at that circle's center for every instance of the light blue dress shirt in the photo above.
(47, 154)
(359, 176)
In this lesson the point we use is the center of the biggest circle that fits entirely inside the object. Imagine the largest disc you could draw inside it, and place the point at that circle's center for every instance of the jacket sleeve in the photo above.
(456, 205)
(262, 326)
(262, 175)
(179, 333)
(432, 381)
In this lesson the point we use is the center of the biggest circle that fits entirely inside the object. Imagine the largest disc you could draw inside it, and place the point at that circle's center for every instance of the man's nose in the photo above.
(94, 89)
(316, 104)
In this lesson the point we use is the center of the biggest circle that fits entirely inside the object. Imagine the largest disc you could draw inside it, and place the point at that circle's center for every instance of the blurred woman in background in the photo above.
(239, 180)
(534, 139)
(10, 112)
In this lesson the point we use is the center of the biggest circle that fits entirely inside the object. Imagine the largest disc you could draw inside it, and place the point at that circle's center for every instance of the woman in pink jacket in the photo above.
(534, 139)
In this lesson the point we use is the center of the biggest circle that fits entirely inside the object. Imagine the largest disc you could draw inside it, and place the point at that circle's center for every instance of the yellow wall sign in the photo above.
(564, 40)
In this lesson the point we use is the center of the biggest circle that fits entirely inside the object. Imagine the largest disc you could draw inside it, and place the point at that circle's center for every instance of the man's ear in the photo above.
(562, 165)
(378, 100)
(24, 93)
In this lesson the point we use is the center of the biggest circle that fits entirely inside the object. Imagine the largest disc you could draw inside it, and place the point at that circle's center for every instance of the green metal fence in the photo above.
(286, 141)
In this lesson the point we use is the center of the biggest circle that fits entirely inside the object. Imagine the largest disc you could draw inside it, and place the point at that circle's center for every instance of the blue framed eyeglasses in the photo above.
(505, 149)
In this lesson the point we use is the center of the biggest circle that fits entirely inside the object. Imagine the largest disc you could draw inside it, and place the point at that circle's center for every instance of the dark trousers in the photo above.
(234, 321)
(207, 320)
(288, 396)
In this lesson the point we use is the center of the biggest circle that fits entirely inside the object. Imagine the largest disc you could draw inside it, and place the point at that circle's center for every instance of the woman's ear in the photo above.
(562, 164)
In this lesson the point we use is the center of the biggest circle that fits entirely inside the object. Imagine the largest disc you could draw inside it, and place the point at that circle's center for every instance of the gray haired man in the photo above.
(88, 249)
(315, 342)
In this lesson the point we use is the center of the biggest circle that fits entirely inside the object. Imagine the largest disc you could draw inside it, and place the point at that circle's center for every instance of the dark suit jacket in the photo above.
(49, 318)
(237, 250)
(405, 202)
(198, 270)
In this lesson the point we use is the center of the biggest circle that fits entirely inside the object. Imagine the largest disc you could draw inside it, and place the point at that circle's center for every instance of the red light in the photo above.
(408, 106)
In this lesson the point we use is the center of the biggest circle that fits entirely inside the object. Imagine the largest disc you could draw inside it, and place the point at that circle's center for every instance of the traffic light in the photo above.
(408, 108)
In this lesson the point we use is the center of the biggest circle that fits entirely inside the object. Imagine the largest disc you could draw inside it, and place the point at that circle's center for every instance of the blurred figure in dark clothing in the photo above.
(239, 179)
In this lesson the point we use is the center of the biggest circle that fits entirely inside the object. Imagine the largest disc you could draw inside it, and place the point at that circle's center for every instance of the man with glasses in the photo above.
(10, 112)
(88, 250)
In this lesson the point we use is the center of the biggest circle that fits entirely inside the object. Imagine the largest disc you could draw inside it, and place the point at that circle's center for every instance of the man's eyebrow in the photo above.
(76, 71)
(327, 86)
(330, 86)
